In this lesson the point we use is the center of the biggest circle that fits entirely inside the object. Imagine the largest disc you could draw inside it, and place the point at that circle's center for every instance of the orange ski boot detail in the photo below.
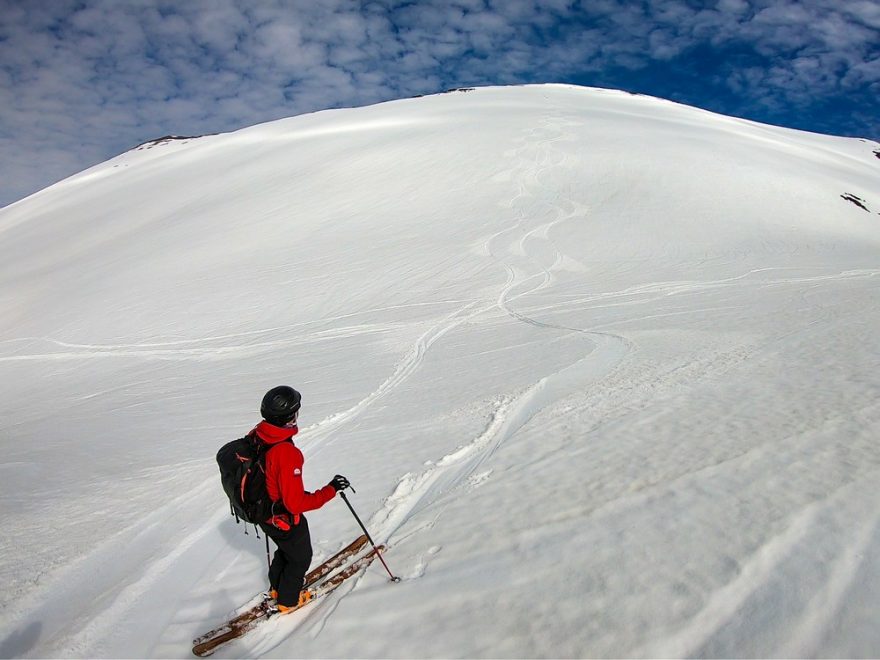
(304, 597)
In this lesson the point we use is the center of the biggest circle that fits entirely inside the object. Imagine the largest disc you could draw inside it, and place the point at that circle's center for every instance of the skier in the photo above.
(288, 528)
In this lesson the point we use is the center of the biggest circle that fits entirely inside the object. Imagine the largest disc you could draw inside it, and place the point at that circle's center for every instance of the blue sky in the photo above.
(83, 80)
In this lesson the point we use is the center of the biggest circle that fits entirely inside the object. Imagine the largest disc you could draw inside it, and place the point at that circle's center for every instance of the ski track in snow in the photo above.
(416, 492)
(518, 245)
(320, 435)
(213, 346)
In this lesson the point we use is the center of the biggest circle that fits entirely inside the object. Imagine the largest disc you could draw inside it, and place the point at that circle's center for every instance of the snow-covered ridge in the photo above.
(603, 369)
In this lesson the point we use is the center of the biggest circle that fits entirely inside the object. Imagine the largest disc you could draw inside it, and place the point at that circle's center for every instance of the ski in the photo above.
(253, 612)
(243, 623)
(335, 561)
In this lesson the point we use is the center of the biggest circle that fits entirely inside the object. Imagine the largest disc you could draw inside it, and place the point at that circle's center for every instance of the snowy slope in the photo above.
(604, 370)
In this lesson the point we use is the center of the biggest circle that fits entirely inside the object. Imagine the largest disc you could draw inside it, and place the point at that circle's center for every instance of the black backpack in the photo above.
(242, 465)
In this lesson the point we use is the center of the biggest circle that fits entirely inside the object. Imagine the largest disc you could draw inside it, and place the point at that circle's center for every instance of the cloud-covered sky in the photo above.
(83, 80)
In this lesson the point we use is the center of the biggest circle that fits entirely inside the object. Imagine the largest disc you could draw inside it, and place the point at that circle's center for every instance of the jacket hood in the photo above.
(271, 434)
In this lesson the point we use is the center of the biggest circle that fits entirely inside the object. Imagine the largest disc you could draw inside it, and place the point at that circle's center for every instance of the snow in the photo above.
(604, 371)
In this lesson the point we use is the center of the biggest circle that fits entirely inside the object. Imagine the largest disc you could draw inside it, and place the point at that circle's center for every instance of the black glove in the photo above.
(339, 483)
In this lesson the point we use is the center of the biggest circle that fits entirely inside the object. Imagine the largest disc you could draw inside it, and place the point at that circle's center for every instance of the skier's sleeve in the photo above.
(295, 497)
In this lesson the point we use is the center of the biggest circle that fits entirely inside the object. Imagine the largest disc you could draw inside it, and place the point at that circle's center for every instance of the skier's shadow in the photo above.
(225, 601)
(21, 641)
(234, 535)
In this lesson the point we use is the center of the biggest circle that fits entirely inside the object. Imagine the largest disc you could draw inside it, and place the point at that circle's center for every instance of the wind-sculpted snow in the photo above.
(602, 368)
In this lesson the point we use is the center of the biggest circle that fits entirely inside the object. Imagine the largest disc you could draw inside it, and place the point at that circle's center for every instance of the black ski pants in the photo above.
(291, 560)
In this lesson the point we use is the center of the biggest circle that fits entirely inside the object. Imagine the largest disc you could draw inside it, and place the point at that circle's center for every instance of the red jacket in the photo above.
(284, 482)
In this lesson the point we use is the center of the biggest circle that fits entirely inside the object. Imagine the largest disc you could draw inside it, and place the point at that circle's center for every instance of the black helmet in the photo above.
(280, 405)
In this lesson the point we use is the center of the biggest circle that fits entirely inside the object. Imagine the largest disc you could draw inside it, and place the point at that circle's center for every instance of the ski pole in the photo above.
(369, 538)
